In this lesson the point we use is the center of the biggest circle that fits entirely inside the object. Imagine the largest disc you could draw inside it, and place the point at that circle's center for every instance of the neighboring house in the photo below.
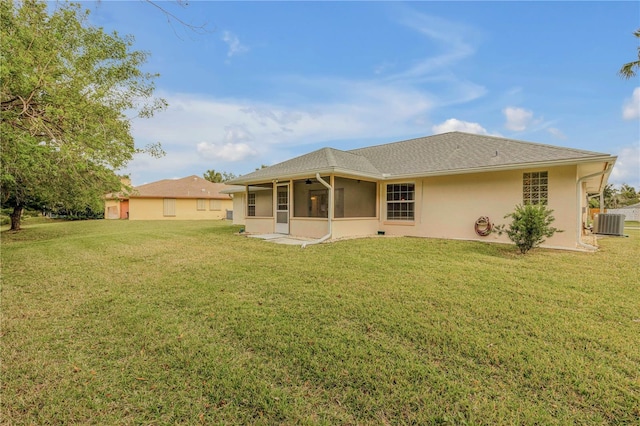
(438, 186)
(631, 212)
(189, 198)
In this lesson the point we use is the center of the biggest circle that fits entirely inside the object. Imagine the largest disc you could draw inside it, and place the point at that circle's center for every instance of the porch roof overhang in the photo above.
(310, 173)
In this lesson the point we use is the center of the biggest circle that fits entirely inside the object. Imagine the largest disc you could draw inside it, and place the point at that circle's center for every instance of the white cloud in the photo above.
(518, 119)
(556, 132)
(627, 168)
(226, 152)
(631, 107)
(235, 47)
(453, 125)
(200, 132)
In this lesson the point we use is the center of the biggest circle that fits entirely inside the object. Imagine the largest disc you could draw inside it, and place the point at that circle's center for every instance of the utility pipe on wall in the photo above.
(579, 207)
(329, 213)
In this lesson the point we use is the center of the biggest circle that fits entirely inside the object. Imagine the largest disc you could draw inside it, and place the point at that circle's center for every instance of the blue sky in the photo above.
(268, 81)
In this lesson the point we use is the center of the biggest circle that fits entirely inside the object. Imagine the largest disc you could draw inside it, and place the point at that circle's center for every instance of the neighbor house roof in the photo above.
(187, 187)
(447, 153)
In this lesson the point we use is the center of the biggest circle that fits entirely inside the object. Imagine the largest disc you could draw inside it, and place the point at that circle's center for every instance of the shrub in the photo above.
(529, 226)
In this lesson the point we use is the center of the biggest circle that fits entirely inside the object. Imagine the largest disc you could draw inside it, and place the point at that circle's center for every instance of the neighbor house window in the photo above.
(535, 188)
(401, 201)
(201, 204)
(169, 207)
(251, 204)
(215, 205)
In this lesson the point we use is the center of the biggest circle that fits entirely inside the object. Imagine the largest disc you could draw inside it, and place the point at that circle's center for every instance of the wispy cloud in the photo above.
(235, 47)
(556, 133)
(454, 41)
(384, 67)
(391, 105)
(631, 107)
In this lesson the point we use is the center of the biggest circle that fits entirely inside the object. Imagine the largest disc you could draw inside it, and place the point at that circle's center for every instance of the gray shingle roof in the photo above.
(463, 151)
(454, 152)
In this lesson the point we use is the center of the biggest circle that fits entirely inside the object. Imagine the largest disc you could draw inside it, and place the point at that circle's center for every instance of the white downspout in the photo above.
(579, 208)
(329, 213)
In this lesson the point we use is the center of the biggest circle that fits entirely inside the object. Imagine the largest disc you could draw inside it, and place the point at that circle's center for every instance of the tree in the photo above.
(628, 195)
(614, 198)
(529, 226)
(218, 177)
(65, 89)
(628, 70)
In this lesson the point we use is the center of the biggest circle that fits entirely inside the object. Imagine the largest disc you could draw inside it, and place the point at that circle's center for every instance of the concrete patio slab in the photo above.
(282, 239)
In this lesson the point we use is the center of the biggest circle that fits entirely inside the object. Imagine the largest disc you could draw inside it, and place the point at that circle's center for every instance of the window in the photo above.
(215, 205)
(401, 201)
(169, 207)
(201, 204)
(283, 198)
(535, 188)
(251, 204)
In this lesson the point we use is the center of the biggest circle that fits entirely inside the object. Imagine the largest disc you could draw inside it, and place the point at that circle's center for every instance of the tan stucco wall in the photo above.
(259, 225)
(238, 208)
(448, 206)
(114, 205)
(309, 227)
(355, 227)
(186, 209)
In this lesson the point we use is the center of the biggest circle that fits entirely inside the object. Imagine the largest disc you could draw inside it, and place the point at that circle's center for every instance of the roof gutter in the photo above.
(504, 167)
(579, 207)
(329, 214)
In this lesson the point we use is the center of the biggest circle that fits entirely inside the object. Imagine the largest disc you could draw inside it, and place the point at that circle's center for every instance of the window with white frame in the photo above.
(401, 201)
(251, 204)
(535, 188)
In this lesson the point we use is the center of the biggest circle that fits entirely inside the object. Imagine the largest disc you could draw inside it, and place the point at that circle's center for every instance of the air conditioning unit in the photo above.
(609, 224)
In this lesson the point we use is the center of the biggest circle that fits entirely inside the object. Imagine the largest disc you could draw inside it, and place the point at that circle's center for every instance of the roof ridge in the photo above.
(479, 136)
(331, 159)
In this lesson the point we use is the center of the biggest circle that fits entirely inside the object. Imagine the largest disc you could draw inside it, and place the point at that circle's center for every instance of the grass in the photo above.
(118, 322)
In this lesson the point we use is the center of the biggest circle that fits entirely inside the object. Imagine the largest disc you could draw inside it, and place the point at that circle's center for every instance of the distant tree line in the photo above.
(615, 198)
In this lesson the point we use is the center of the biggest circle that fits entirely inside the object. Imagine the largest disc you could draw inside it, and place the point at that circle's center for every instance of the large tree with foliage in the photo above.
(66, 90)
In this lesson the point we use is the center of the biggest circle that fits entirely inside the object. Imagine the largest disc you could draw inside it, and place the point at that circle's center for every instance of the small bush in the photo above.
(529, 226)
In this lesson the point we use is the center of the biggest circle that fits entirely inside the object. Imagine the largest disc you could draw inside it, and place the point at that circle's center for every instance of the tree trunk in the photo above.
(16, 215)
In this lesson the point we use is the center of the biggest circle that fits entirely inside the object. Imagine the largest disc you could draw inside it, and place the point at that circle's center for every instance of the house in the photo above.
(441, 186)
(189, 198)
(630, 213)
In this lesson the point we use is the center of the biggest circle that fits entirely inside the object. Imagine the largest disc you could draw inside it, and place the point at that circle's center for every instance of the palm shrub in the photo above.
(529, 226)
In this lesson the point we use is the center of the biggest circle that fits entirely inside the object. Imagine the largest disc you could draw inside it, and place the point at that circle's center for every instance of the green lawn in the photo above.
(118, 322)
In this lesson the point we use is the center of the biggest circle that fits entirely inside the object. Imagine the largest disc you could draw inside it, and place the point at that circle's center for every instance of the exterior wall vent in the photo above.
(609, 224)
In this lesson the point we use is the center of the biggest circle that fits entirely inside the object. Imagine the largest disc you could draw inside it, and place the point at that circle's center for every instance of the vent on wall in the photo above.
(609, 224)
